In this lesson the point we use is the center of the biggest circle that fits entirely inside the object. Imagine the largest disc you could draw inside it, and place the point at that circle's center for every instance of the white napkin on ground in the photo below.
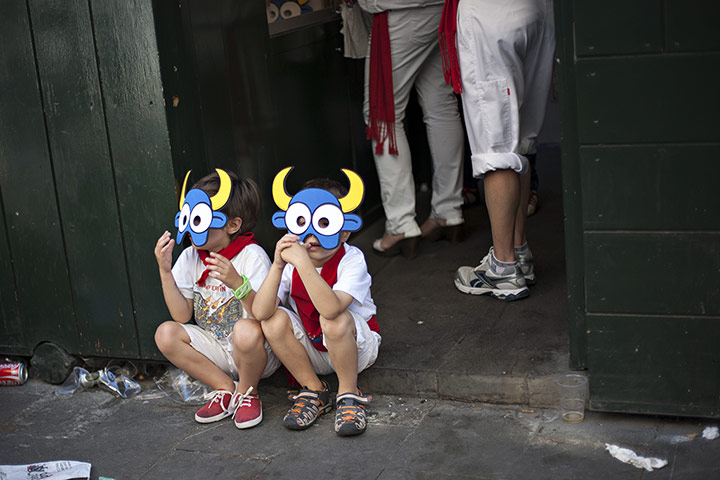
(628, 456)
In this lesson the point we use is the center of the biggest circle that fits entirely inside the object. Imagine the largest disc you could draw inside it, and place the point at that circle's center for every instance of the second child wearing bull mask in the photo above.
(327, 321)
(213, 281)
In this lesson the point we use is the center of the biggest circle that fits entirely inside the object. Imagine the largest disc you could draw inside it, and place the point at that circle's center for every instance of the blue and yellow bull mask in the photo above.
(317, 212)
(199, 213)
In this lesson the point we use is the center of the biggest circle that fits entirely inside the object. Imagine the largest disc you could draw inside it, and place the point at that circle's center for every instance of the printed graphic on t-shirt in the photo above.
(215, 316)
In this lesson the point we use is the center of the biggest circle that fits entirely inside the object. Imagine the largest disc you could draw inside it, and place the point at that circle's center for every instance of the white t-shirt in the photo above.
(216, 308)
(352, 278)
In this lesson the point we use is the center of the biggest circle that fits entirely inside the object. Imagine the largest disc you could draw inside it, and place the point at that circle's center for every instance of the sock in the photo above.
(523, 250)
(501, 268)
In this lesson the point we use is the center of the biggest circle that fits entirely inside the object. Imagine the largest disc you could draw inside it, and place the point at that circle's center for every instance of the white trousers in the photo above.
(416, 62)
(505, 50)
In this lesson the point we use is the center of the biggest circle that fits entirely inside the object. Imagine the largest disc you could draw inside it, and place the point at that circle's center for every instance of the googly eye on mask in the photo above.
(317, 212)
(199, 212)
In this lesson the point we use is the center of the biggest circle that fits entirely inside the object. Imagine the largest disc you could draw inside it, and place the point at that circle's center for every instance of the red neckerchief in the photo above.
(448, 48)
(240, 242)
(308, 313)
(381, 115)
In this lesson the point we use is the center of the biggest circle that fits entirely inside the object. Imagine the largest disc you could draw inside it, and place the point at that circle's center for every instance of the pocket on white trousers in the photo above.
(495, 108)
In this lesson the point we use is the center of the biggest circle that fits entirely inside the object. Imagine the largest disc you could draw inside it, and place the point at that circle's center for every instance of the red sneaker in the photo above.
(216, 409)
(248, 410)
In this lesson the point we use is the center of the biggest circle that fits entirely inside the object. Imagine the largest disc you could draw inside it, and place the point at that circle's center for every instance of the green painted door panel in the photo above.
(654, 364)
(29, 199)
(692, 25)
(653, 187)
(67, 67)
(640, 146)
(671, 273)
(11, 337)
(134, 113)
(648, 99)
(613, 27)
(179, 86)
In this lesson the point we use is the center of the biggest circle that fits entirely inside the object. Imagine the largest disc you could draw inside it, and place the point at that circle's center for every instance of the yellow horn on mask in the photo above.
(282, 199)
(355, 194)
(223, 194)
(182, 193)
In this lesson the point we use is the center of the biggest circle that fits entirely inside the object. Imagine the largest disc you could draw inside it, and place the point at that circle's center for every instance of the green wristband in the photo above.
(243, 290)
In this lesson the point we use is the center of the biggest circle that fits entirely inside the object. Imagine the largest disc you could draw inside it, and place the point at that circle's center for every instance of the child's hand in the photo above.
(287, 240)
(294, 253)
(163, 252)
(222, 269)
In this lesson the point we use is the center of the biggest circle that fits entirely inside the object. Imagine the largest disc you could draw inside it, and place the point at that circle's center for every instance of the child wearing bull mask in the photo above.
(327, 322)
(214, 281)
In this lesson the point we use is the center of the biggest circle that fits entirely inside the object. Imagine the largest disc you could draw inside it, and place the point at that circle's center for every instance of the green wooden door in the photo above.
(39, 270)
(639, 99)
(86, 177)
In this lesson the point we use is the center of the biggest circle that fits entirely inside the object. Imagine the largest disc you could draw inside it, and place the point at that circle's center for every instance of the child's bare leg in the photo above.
(340, 340)
(174, 342)
(278, 331)
(249, 353)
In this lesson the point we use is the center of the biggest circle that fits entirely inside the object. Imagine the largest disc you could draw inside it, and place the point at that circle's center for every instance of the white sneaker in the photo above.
(481, 281)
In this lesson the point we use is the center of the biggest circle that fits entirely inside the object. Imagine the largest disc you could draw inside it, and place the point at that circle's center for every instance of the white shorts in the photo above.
(219, 351)
(505, 52)
(368, 344)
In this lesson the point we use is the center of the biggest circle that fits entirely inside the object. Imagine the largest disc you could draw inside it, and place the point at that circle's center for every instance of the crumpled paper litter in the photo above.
(626, 455)
(56, 470)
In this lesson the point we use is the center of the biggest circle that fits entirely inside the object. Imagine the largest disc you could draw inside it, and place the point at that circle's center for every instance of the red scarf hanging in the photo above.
(240, 242)
(447, 34)
(381, 115)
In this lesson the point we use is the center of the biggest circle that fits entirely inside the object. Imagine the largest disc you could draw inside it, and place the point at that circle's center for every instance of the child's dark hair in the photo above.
(244, 201)
(332, 186)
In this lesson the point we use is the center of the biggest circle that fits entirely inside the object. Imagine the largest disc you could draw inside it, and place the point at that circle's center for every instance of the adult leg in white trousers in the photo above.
(446, 141)
(414, 48)
(505, 52)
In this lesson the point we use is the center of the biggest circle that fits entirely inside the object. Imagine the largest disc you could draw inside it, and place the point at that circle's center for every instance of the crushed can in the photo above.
(89, 379)
(13, 373)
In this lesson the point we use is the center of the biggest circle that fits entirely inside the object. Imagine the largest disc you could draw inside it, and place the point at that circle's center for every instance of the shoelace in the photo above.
(240, 400)
(215, 395)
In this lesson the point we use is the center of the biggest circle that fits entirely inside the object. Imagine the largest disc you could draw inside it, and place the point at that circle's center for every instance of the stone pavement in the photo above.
(150, 437)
